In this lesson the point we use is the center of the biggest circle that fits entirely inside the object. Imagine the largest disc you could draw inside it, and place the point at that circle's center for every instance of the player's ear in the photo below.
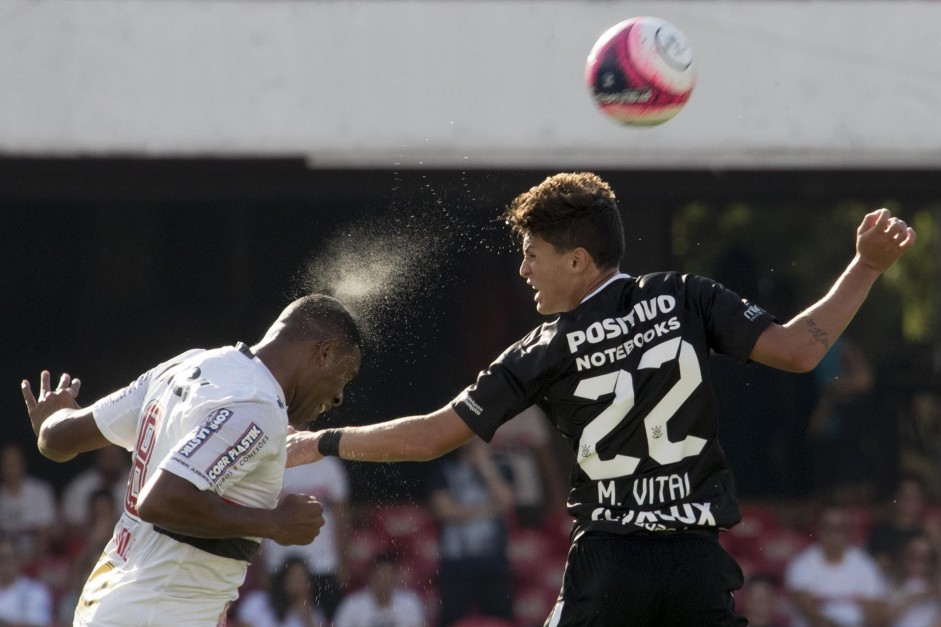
(580, 259)
(325, 350)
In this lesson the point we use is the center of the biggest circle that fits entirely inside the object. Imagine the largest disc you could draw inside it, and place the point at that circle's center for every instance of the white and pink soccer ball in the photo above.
(640, 71)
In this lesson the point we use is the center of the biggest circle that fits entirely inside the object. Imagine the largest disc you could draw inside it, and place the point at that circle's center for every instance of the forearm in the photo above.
(414, 438)
(404, 439)
(822, 323)
(68, 432)
(800, 344)
(178, 506)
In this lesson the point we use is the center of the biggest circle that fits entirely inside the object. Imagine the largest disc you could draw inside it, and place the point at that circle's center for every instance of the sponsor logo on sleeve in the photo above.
(210, 425)
(252, 438)
(753, 312)
(471, 405)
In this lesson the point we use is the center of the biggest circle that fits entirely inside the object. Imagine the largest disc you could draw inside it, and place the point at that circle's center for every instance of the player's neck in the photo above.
(591, 283)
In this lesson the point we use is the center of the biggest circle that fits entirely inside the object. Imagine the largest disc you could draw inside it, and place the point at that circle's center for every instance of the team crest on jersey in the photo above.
(250, 439)
(210, 425)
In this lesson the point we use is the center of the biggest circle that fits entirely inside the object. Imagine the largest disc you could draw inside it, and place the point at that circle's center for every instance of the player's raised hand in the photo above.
(49, 401)
(882, 239)
(300, 518)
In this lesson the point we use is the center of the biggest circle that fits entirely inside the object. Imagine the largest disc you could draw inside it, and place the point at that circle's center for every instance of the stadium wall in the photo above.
(465, 84)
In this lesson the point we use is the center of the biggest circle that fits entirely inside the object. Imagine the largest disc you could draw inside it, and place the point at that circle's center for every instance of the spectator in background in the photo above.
(762, 602)
(914, 599)
(23, 601)
(383, 602)
(471, 500)
(920, 438)
(843, 463)
(832, 582)
(523, 448)
(326, 558)
(287, 602)
(27, 505)
(904, 520)
(109, 472)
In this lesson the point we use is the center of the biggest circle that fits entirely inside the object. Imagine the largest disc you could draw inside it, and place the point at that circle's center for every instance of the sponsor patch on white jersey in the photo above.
(251, 438)
(212, 424)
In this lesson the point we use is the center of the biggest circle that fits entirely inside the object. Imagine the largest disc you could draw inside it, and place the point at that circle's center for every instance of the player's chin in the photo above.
(544, 308)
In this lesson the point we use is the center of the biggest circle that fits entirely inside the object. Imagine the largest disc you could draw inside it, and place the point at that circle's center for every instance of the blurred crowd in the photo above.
(484, 543)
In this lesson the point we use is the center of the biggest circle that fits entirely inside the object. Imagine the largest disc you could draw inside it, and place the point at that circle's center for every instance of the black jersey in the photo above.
(624, 377)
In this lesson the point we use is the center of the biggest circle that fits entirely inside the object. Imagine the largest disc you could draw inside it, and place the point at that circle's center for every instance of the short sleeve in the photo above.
(229, 443)
(118, 413)
(732, 323)
(512, 383)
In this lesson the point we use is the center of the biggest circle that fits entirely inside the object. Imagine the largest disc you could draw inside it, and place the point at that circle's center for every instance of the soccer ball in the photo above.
(641, 72)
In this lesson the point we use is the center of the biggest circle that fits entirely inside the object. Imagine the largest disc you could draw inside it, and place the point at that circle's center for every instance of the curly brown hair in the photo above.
(571, 210)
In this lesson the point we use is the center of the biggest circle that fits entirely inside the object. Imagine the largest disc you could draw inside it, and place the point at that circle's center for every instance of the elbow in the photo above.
(53, 446)
(802, 364)
(154, 506)
(149, 510)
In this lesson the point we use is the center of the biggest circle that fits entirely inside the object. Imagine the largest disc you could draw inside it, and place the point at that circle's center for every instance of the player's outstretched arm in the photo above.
(175, 504)
(800, 344)
(414, 438)
(62, 428)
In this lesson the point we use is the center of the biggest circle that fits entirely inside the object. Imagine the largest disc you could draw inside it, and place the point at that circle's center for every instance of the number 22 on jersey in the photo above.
(621, 384)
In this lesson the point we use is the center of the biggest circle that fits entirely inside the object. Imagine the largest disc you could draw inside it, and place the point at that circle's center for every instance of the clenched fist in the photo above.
(299, 519)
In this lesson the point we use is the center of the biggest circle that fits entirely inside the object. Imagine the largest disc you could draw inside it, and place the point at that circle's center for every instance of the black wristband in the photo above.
(329, 443)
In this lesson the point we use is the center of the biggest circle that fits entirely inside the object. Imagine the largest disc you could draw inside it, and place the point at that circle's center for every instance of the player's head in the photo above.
(572, 210)
(568, 224)
(315, 346)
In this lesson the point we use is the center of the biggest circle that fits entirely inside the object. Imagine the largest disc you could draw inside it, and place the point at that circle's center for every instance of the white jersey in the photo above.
(216, 418)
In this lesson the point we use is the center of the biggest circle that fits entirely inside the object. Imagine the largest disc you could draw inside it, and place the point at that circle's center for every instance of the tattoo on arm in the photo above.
(819, 335)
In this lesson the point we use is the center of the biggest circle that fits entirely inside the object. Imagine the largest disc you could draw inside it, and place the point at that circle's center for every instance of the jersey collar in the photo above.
(616, 277)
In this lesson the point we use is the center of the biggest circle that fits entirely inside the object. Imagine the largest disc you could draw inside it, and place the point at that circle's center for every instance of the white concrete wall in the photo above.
(473, 83)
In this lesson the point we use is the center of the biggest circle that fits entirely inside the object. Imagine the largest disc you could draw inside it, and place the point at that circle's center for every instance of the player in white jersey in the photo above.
(207, 430)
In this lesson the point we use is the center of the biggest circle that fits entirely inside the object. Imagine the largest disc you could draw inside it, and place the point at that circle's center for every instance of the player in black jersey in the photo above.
(621, 371)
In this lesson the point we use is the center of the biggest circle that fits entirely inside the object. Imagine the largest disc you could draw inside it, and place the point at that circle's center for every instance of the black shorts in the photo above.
(675, 579)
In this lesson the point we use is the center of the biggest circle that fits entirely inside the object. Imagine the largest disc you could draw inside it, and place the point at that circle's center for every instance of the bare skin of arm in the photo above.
(175, 504)
(800, 344)
(414, 438)
(62, 428)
